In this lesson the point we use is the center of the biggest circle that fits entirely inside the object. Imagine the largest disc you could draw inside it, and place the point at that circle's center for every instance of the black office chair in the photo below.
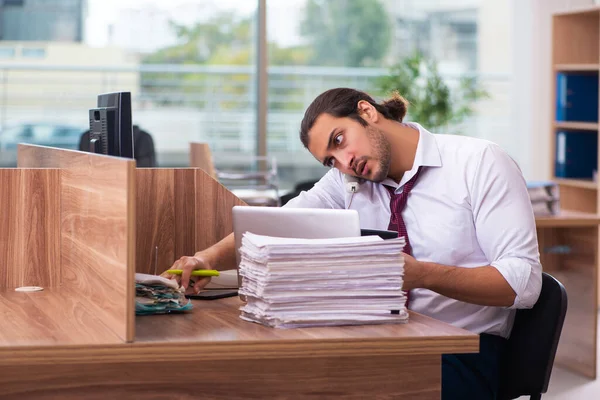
(143, 144)
(529, 356)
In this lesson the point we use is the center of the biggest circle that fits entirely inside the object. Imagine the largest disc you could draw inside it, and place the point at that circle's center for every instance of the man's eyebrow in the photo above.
(330, 140)
(329, 145)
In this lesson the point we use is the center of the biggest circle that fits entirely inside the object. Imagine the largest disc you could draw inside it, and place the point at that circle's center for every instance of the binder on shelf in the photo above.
(576, 154)
(577, 96)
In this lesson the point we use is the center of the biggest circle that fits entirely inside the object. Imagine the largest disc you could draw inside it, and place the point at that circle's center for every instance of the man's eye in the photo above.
(339, 139)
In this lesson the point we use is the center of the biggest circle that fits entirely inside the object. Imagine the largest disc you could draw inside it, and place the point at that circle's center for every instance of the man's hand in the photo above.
(414, 273)
(187, 265)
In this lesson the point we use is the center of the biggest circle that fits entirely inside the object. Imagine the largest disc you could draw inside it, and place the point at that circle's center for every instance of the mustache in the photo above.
(359, 163)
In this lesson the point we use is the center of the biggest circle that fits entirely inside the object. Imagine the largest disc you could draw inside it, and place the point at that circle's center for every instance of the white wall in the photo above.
(495, 36)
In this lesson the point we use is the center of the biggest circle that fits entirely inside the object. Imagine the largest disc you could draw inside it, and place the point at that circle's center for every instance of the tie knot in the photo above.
(407, 186)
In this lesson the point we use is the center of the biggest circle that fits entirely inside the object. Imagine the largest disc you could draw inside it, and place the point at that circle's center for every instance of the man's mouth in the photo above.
(362, 169)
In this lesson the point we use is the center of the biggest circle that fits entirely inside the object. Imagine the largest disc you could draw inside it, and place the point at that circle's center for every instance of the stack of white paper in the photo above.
(322, 282)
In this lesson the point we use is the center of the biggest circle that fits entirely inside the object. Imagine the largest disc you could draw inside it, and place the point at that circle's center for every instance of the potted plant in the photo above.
(433, 103)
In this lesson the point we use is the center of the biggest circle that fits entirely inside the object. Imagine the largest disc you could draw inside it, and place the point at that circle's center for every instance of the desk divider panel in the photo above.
(179, 211)
(97, 232)
(29, 228)
(165, 217)
(81, 213)
(214, 218)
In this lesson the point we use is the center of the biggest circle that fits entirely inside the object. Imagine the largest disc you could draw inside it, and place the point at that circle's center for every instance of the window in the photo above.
(190, 66)
(317, 45)
(7, 52)
(16, 3)
(33, 52)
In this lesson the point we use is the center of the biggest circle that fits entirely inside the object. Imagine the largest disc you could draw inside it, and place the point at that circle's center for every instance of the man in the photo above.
(472, 257)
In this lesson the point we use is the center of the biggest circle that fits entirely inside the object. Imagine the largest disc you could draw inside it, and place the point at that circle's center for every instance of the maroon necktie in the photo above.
(397, 203)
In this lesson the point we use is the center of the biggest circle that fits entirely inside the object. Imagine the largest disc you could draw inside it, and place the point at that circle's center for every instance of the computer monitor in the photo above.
(111, 130)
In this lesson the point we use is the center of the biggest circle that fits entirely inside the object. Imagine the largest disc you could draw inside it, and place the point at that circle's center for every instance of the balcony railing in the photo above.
(215, 104)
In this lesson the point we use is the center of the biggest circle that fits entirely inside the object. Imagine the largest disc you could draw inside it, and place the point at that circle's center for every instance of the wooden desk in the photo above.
(212, 353)
(79, 338)
(569, 251)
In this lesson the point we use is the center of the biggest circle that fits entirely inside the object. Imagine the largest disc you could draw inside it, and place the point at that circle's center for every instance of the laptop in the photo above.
(303, 223)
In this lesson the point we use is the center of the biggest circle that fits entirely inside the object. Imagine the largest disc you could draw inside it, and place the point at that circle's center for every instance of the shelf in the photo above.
(577, 67)
(567, 218)
(579, 11)
(586, 126)
(580, 183)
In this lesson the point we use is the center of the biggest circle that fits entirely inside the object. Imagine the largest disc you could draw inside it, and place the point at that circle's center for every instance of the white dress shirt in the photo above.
(468, 208)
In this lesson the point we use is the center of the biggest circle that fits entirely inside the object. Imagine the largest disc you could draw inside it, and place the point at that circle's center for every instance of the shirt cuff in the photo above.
(518, 274)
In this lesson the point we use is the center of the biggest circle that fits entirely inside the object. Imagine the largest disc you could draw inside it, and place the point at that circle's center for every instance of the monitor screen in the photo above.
(111, 130)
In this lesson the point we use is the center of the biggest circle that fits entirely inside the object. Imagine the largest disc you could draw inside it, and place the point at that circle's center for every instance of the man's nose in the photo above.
(346, 160)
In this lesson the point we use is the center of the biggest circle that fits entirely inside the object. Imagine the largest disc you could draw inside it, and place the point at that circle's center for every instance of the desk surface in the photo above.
(52, 317)
(217, 323)
(212, 353)
(214, 330)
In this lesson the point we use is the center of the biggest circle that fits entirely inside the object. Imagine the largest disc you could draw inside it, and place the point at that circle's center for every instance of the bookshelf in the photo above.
(569, 242)
(575, 72)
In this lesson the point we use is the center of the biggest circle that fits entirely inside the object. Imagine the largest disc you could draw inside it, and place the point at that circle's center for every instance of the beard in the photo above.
(382, 154)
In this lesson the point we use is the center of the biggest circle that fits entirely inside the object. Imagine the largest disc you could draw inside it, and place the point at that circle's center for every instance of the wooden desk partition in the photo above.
(69, 225)
(95, 220)
(29, 228)
(179, 211)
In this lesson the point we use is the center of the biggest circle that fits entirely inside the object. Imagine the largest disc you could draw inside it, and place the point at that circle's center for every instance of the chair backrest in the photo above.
(201, 157)
(143, 147)
(254, 179)
(531, 348)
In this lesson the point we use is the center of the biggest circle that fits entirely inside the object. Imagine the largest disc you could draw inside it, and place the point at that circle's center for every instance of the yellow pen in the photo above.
(196, 272)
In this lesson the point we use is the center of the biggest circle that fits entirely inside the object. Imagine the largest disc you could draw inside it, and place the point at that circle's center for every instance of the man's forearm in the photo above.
(221, 255)
(481, 285)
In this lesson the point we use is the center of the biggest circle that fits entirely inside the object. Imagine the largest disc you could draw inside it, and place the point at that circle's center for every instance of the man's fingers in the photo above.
(167, 275)
(201, 283)
(187, 273)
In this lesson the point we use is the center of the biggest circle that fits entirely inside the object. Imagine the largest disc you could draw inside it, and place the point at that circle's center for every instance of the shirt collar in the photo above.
(427, 155)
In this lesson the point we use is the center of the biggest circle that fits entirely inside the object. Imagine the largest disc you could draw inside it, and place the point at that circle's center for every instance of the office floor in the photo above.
(565, 385)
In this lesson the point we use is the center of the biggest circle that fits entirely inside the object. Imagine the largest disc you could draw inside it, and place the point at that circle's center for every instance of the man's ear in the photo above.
(367, 111)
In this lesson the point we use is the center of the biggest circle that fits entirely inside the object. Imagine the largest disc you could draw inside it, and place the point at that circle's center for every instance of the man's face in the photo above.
(345, 144)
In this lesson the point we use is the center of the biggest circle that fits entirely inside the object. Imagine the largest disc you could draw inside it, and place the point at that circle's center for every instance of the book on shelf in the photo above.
(577, 96)
(576, 154)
